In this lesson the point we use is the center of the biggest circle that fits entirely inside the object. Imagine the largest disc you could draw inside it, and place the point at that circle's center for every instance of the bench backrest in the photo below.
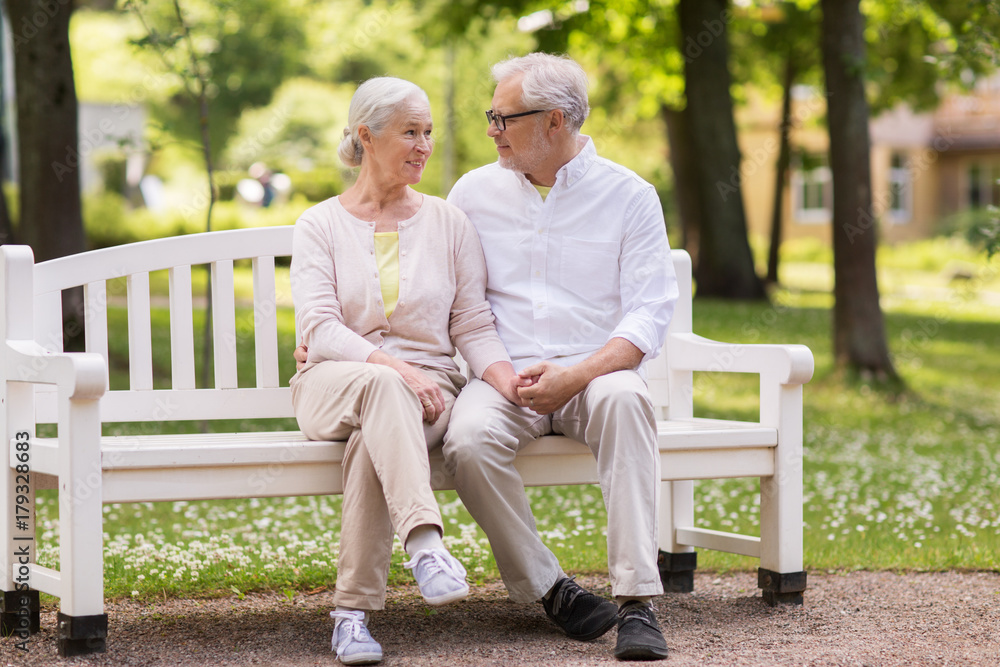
(103, 272)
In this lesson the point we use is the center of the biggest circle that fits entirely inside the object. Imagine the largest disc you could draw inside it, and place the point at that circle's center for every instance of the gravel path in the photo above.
(860, 618)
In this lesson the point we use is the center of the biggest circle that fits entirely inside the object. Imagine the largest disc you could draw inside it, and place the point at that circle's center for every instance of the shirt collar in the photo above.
(572, 171)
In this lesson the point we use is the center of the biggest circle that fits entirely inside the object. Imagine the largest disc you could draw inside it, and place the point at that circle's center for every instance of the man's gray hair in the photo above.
(374, 103)
(550, 82)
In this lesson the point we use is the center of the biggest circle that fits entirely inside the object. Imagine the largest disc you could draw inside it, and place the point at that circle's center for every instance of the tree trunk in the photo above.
(781, 171)
(682, 164)
(725, 264)
(859, 341)
(51, 221)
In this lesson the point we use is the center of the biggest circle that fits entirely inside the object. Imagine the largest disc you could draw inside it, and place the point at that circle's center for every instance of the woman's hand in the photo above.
(301, 355)
(502, 377)
(427, 390)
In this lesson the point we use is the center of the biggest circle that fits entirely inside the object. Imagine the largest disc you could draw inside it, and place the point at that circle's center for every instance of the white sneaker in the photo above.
(439, 575)
(352, 641)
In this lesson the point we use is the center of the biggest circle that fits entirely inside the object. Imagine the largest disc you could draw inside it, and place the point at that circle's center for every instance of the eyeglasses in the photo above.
(501, 121)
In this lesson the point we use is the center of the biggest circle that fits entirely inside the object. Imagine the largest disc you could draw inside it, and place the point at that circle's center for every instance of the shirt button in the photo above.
(538, 274)
(403, 252)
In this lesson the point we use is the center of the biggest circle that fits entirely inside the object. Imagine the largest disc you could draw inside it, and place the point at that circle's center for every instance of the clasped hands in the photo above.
(542, 388)
(545, 387)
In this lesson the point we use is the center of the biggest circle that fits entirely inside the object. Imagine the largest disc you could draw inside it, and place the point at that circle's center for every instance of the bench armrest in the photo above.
(82, 375)
(791, 364)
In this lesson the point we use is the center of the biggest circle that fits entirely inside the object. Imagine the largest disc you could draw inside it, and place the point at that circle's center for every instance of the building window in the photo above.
(983, 186)
(900, 190)
(812, 190)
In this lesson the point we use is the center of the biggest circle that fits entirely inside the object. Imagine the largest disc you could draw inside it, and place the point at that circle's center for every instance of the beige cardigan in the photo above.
(442, 281)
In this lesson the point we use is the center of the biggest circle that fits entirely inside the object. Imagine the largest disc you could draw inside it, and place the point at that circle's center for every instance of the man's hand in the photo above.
(301, 355)
(552, 386)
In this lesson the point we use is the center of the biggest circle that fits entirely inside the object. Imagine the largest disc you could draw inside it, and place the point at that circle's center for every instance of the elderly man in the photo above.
(582, 288)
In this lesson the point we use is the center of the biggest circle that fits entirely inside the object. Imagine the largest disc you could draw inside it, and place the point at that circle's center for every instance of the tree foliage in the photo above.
(243, 49)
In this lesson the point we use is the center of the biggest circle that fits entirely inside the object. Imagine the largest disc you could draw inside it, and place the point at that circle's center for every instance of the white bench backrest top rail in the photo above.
(177, 255)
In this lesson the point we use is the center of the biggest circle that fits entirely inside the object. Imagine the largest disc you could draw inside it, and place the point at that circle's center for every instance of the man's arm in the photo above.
(553, 385)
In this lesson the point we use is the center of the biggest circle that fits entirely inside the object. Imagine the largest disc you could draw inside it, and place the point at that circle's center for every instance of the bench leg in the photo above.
(82, 635)
(781, 576)
(677, 562)
(677, 571)
(20, 614)
(82, 623)
(781, 587)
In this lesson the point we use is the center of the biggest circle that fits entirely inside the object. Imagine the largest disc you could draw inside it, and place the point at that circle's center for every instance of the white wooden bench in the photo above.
(42, 385)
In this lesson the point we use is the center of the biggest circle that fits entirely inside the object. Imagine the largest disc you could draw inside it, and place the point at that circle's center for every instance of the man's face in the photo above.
(524, 144)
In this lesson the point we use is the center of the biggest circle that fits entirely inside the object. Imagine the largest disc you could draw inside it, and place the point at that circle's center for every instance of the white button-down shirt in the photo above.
(566, 274)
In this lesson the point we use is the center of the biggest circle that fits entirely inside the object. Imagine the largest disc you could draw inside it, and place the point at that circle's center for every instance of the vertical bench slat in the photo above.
(224, 324)
(181, 328)
(265, 320)
(140, 333)
(48, 334)
(95, 299)
(48, 321)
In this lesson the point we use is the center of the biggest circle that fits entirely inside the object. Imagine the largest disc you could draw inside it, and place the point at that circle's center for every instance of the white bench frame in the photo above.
(41, 384)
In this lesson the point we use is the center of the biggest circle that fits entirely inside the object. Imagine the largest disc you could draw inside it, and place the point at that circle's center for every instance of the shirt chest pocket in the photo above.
(589, 268)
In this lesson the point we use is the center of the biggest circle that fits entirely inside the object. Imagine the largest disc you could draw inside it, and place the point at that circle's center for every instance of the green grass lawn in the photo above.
(902, 480)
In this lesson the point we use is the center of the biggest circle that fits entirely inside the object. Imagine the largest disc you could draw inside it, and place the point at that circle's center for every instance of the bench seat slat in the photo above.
(298, 468)
(250, 448)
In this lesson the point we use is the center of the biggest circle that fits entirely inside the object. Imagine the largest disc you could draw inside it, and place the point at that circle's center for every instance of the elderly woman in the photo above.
(387, 282)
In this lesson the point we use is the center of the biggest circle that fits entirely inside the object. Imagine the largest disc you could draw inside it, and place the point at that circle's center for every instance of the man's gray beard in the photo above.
(526, 162)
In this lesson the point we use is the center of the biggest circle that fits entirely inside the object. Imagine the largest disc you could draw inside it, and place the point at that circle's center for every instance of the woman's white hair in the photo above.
(373, 105)
(550, 82)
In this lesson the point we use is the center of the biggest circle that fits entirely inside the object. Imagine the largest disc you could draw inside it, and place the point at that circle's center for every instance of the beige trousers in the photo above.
(614, 417)
(386, 473)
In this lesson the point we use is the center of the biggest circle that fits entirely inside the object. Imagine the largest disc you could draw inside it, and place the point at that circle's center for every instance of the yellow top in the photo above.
(543, 190)
(387, 256)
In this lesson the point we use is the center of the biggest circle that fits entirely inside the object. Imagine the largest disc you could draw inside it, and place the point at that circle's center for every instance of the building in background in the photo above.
(926, 167)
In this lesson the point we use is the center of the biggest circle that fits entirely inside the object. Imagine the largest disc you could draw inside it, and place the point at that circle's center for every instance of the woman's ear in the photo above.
(365, 137)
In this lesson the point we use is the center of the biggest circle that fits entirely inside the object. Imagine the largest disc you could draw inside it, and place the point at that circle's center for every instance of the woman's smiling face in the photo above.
(401, 151)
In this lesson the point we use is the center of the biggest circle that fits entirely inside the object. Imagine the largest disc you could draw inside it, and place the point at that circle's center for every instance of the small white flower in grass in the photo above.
(141, 577)
(135, 593)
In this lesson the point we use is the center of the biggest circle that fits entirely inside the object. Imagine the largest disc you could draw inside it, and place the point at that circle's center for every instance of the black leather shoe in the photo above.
(639, 636)
(580, 614)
